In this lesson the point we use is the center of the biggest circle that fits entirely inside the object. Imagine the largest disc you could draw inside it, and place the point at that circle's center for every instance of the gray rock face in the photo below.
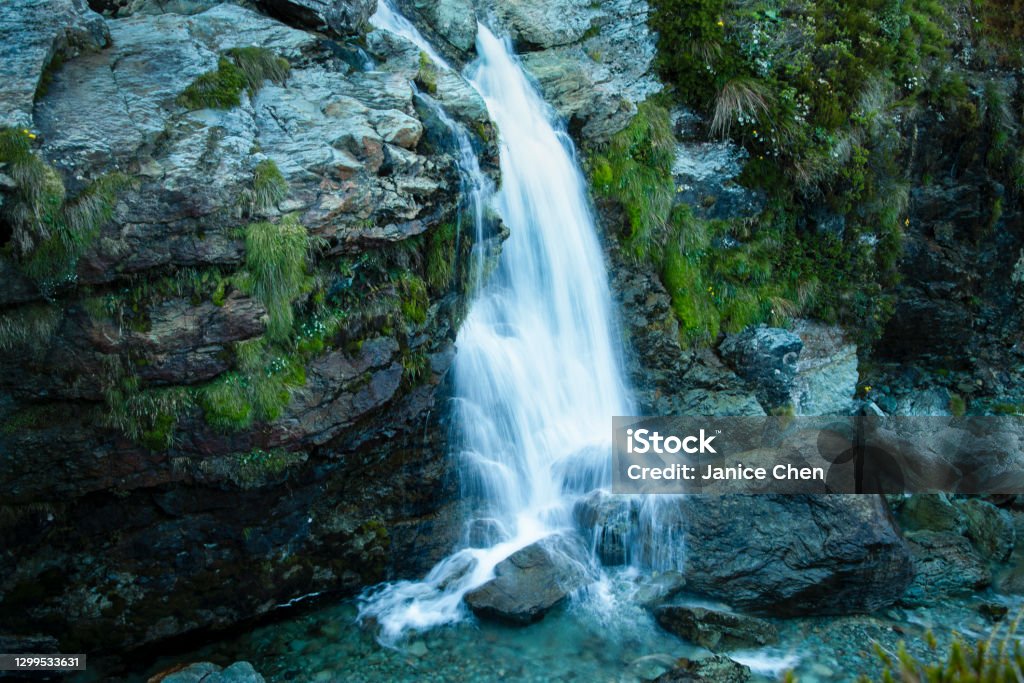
(705, 173)
(530, 581)
(945, 565)
(714, 629)
(797, 554)
(767, 358)
(34, 33)
(826, 370)
(334, 17)
(544, 23)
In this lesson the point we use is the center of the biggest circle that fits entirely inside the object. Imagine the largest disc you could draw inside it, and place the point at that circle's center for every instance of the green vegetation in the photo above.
(275, 270)
(238, 69)
(259, 390)
(29, 327)
(986, 661)
(426, 76)
(269, 187)
(815, 92)
(49, 231)
(146, 416)
(441, 253)
(957, 405)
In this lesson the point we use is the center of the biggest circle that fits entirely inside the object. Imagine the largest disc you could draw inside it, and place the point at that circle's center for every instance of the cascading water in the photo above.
(537, 375)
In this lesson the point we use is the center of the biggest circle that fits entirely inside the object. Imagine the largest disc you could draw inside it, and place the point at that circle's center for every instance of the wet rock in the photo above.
(610, 520)
(993, 611)
(714, 669)
(828, 554)
(334, 17)
(990, 528)
(705, 174)
(767, 358)
(932, 512)
(654, 590)
(826, 370)
(714, 629)
(945, 565)
(530, 581)
(207, 672)
(35, 32)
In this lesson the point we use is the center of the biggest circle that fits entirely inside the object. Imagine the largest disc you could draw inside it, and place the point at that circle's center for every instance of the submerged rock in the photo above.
(207, 672)
(530, 581)
(715, 630)
(714, 669)
(790, 555)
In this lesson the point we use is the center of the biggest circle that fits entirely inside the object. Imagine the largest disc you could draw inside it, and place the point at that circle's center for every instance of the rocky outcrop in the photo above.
(826, 370)
(223, 431)
(530, 581)
(799, 554)
(36, 41)
(767, 358)
(945, 565)
(340, 18)
(714, 629)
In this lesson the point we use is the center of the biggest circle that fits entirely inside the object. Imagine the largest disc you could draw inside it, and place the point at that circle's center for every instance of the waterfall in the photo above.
(537, 372)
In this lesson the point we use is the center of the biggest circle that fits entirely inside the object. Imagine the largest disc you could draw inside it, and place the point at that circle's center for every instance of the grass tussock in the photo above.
(741, 100)
(269, 187)
(275, 270)
(238, 69)
(29, 327)
(49, 231)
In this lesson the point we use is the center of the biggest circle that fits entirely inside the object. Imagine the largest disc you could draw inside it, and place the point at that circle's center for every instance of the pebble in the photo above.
(418, 649)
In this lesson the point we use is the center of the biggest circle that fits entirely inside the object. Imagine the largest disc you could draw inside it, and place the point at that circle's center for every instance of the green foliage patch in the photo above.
(49, 231)
(238, 69)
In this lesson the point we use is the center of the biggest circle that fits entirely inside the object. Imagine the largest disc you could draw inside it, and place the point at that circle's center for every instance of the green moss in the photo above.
(238, 69)
(441, 256)
(426, 76)
(415, 367)
(275, 265)
(147, 416)
(218, 89)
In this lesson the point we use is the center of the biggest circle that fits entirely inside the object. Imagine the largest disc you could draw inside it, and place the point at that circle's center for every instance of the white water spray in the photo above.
(537, 376)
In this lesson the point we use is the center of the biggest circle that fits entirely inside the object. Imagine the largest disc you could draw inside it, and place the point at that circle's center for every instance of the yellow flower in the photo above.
(721, 23)
(867, 388)
(31, 136)
(907, 222)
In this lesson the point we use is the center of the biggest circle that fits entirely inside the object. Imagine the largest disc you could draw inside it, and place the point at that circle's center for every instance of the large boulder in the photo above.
(714, 629)
(991, 529)
(530, 581)
(789, 555)
(208, 672)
